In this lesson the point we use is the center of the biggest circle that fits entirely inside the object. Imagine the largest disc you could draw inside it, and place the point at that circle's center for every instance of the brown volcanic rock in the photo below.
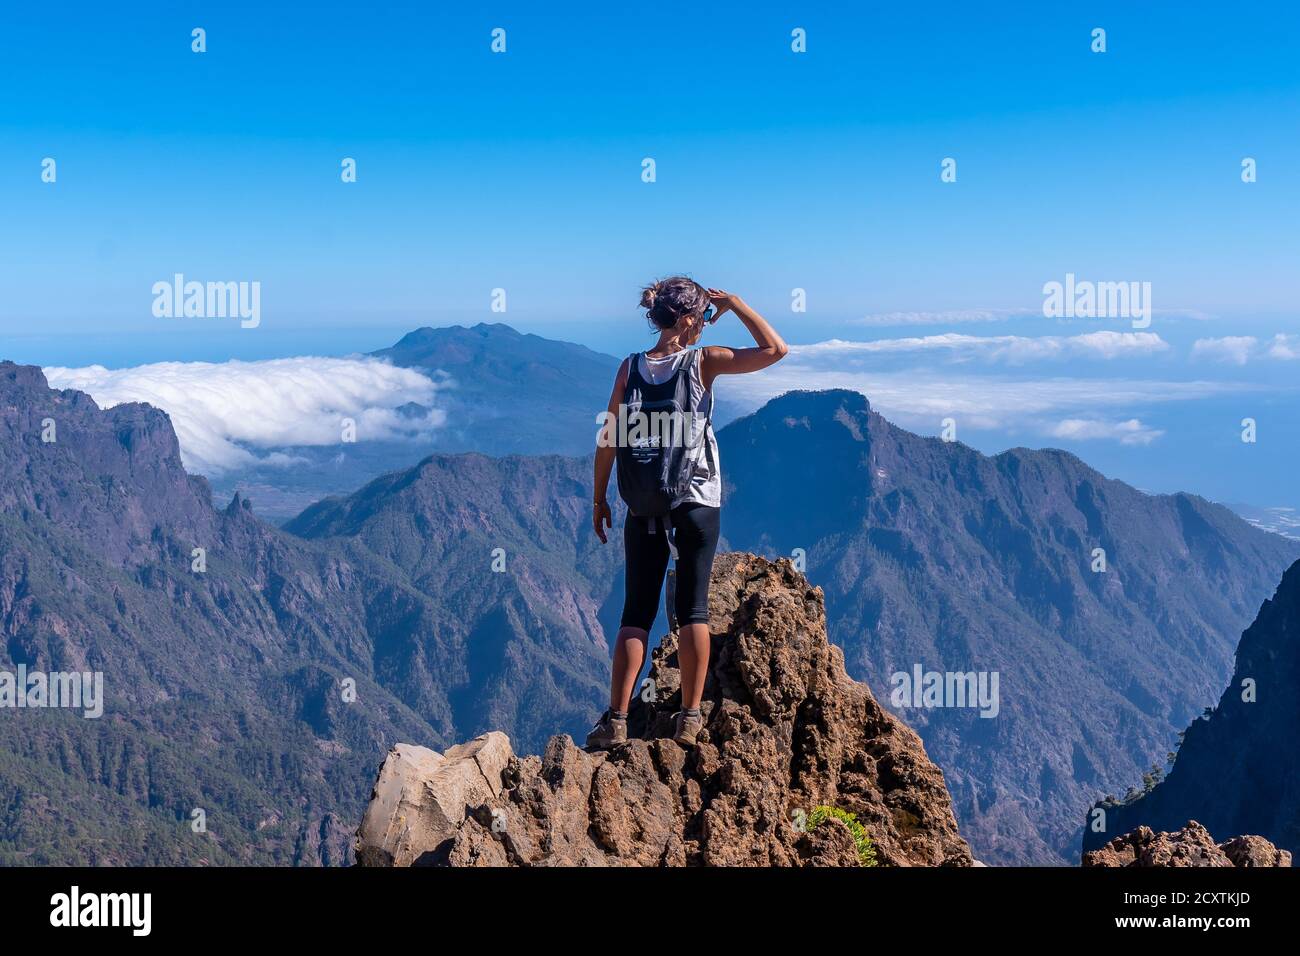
(785, 730)
(1190, 846)
(1254, 851)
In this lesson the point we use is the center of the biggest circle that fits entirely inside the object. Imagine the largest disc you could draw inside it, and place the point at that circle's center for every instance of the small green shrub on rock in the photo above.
(866, 849)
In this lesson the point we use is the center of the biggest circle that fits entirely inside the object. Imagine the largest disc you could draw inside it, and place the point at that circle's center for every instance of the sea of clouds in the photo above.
(231, 415)
(1030, 385)
(236, 415)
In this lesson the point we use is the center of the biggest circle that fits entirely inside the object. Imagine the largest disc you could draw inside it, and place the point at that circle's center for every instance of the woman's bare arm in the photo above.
(769, 349)
(606, 449)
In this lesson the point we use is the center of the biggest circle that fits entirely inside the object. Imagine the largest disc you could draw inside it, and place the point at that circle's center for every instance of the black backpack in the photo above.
(654, 462)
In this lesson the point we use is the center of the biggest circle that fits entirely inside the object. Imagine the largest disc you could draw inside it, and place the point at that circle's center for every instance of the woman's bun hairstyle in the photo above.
(667, 300)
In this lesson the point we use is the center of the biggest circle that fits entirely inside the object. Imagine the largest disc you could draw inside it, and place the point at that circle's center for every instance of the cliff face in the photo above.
(787, 732)
(1236, 770)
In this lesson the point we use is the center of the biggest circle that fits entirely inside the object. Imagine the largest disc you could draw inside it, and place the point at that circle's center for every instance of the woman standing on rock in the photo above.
(659, 428)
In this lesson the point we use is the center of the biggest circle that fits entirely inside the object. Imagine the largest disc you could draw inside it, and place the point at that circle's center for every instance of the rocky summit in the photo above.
(796, 762)
(1190, 846)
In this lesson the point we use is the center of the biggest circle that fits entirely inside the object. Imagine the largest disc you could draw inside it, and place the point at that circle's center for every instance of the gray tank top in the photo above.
(706, 476)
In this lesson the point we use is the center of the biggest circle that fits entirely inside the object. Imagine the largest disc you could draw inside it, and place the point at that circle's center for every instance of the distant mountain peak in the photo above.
(509, 392)
(495, 328)
(428, 335)
(819, 400)
(458, 344)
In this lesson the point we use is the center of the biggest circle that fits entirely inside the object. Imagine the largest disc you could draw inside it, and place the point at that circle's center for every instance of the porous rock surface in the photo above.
(786, 730)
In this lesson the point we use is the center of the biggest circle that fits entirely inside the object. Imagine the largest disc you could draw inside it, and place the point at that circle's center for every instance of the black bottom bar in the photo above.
(504, 907)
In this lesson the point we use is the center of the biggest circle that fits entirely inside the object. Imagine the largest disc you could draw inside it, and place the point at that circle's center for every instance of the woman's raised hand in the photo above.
(721, 302)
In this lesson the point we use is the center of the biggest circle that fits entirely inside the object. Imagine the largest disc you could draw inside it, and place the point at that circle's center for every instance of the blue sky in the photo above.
(775, 170)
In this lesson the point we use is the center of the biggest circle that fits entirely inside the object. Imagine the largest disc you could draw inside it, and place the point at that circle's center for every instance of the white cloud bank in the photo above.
(222, 411)
(963, 316)
(986, 387)
(1240, 349)
(1234, 349)
(1130, 432)
(1009, 349)
(1285, 347)
(948, 317)
(920, 400)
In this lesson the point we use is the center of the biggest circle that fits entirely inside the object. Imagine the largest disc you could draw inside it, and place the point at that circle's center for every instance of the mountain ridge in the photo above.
(932, 553)
(393, 587)
(324, 647)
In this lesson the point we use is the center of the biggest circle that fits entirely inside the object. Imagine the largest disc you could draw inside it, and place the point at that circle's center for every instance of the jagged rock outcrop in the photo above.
(1190, 846)
(786, 731)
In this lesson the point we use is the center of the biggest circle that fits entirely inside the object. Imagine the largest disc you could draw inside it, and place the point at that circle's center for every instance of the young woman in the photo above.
(678, 309)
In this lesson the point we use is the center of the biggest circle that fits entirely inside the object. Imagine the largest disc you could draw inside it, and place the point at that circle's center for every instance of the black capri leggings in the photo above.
(695, 533)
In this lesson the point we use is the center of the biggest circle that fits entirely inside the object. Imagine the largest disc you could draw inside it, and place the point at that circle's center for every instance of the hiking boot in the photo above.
(609, 730)
(688, 729)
